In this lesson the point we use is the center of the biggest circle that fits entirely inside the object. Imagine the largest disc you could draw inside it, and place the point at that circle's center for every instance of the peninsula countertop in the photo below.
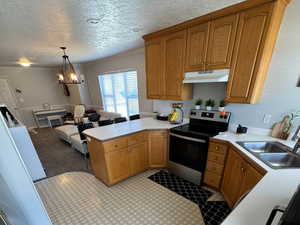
(275, 188)
(120, 129)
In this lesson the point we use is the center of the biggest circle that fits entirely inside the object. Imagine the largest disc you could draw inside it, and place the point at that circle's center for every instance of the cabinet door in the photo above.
(233, 177)
(174, 55)
(118, 165)
(154, 68)
(221, 40)
(250, 39)
(138, 158)
(197, 42)
(251, 178)
(158, 146)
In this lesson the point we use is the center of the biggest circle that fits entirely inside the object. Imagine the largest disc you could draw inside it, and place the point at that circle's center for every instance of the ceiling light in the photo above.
(93, 21)
(24, 62)
(67, 73)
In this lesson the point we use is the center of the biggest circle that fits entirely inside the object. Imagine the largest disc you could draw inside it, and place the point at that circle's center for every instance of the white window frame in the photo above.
(100, 83)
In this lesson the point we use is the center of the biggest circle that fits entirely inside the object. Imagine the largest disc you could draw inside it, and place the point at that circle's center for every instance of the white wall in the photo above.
(38, 86)
(133, 59)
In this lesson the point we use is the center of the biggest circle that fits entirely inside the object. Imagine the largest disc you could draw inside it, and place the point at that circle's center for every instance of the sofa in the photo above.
(69, 133)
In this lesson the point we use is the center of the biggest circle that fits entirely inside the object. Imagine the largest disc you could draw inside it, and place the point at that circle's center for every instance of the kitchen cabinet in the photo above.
(221, 41)
(240, 38)
(158, 148)
(138, 158)
(165, 58)
(118, 165)
(197, 42)
(240, 176)
(174, 55)
(256, 36)
(117, 159)
(217, 153)
(154, 68)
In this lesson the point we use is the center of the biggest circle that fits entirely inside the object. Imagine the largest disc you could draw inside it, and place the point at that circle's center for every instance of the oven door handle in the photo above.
(188, 138)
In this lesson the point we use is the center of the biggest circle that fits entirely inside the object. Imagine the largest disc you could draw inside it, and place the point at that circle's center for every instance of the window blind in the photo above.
(120, 92)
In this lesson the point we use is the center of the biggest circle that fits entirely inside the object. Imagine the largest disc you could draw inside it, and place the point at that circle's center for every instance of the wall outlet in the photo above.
(267, 118)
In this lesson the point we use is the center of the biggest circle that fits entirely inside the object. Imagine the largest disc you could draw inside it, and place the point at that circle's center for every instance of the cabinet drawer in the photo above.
(216, 157)
(218, 148)
(137, 138)
(212, 179)
(214, 168)
(115, 144)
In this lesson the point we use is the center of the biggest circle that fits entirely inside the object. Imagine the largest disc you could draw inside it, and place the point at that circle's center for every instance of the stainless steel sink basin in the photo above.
(264, 147)
(274, 154)
(282, 160)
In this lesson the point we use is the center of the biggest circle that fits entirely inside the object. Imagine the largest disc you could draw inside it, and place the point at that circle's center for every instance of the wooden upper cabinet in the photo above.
(221, 41)
(154, 68)
(197, 41)
(249, 47)
(174, 55)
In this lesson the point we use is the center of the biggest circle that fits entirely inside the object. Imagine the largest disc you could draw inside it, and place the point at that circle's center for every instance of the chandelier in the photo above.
(67, 74)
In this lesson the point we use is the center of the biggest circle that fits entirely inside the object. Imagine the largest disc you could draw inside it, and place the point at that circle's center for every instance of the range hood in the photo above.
(206, 76)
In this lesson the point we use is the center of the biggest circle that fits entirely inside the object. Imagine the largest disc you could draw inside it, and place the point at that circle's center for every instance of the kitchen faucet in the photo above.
(297, 146)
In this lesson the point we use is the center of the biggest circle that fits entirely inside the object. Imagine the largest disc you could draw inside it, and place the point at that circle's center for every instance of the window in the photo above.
(120, 92)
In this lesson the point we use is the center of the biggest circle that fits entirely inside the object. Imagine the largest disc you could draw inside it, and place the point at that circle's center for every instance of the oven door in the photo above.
(189, 152)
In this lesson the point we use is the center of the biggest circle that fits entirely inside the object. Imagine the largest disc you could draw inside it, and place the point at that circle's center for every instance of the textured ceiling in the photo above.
(37, 28)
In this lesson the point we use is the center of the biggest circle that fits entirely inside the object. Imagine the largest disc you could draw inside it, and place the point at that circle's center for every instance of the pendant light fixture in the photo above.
(67, 74)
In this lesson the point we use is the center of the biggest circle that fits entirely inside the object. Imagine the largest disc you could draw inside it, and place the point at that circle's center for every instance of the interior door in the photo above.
(8, 98)
(174, 54)
(197, 42)
(221, 40)
(19, 199)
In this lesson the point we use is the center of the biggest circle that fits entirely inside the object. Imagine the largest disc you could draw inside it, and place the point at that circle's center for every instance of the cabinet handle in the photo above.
(243, 170)
(116, 146)
(217, 148)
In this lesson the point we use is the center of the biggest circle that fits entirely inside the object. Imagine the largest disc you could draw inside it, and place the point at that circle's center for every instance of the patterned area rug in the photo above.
(213, 212)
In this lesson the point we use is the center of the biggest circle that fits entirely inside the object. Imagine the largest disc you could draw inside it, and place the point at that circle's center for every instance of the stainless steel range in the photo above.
(189, 143)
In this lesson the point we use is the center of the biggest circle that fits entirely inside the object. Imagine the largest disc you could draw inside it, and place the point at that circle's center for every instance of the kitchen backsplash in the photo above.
(215, 91)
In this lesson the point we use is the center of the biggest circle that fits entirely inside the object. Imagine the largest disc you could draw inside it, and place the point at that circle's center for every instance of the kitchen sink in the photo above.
(274, 154)
(282, 160)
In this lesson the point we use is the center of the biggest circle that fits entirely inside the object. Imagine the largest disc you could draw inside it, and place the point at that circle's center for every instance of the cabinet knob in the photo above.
(217, 148)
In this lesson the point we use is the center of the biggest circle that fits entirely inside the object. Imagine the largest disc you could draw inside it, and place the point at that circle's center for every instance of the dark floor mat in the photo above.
(182, 187)
(214, 212)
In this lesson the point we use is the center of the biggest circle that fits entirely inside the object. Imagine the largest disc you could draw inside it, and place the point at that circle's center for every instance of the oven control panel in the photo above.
(219, 116)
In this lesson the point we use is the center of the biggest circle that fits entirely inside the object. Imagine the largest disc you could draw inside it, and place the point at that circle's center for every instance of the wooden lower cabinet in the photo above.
(158, 148)
(240, 176)
(117, 159)
(138, 158)
(118, 165)
(217, 152)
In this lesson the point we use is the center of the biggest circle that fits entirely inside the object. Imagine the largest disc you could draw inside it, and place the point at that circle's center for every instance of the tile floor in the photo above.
(78, 198)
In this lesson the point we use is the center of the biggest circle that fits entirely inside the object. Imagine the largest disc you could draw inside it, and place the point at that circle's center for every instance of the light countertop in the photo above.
(276, 188)
(120, 129)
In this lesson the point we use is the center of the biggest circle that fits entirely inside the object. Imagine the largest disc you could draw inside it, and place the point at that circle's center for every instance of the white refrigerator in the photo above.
(20, 203)
(24, 144)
